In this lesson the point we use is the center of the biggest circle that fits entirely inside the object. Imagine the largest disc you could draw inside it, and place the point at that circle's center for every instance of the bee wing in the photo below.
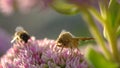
(64, 32)
(84, 38)
(19, 28)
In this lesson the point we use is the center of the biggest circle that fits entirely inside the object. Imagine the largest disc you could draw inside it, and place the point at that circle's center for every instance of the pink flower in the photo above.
(41, 54)
(27, 5)
(9, 6)
(118, 1)
(6, 6)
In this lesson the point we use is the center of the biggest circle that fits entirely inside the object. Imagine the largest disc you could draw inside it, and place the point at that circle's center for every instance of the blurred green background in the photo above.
(46, 23)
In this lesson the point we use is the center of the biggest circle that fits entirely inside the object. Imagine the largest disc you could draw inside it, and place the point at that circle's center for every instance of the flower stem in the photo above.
(95, 32)
(117, 21)
(112, 40)
(96, 15)
(111, 36)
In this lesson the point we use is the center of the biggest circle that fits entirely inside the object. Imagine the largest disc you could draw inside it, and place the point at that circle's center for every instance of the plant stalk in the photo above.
(112, 40)
(95, 32)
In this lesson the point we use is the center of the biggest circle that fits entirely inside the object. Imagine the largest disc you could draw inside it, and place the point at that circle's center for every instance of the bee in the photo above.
(20, 35)
(67, 40)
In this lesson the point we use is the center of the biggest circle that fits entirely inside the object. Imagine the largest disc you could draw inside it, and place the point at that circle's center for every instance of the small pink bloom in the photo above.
(6, 6)
(26, 5)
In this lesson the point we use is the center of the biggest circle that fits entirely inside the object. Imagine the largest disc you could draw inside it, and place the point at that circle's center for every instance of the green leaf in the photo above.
(98, 60)
(104, 33)
(114, 12)
(64, 7)
(118, 31)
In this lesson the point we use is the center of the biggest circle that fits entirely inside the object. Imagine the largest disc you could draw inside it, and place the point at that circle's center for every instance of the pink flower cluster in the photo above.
(41, 54)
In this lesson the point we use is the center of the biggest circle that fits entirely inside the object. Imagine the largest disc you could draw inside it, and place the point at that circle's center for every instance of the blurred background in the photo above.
(41, 24)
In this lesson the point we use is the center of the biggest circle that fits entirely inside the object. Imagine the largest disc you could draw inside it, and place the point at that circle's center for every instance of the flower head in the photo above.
(41, 54)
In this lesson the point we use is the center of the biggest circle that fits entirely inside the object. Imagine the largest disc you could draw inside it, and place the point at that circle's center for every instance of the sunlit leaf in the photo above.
(98, 60)
(118, 31)
(64, 7)
(114, 12)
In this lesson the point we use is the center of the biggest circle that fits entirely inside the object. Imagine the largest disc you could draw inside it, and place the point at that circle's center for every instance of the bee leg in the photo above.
(74, 51)
(71, 51)
(56, 49)
(77, 50)
(61, 49)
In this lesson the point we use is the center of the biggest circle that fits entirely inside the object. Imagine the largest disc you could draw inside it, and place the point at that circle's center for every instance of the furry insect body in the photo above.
(67, 40)
(21, 35)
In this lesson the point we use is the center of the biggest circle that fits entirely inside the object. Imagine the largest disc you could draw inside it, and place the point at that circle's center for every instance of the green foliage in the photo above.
(64, 7)
(108, 15)
(98, 60)
(114, 11)
(118, 31)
